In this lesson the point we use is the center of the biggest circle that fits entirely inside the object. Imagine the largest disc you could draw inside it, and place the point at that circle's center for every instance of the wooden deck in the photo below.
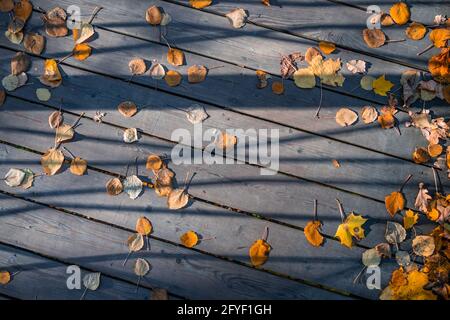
(66, 219)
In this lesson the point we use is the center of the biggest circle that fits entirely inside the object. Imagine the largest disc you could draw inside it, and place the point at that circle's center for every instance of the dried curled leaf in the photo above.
(64, 132)
(200, 4)
(196, 114)
(346, 117)
(177, 199)
(137, 66)
(439, 37)
(356, 66)
(16, 25)
(153, 15)
(55, 119)
(20, 63)
(374, 38)
(91, 281)
(381, 86)
(141, 267)
(395, 233)
(312, 233)
(52, 76)
(5, 277)
(237, 17)
(154, 162)
(259, 252)
(55, 22)
(173, 78)
(144, 226)
(416, 31)
(420, 155)
(422, 198)
(189, 239)
(175, 57)
(369, 114)
(28, 180)
(78, 166)
(410, 219)
(394, 202)
(34, 43)
(327, 47)
(52, 161)
(114, 187)
(400, 13)
(14, 177)
(423, 246)
(81, 51)
(351, 227)
(132, 185)
(130, 135)
(304, 78)
(23, 9)
(127, 109)
(163, 183)
(384, 250)
(197, 73)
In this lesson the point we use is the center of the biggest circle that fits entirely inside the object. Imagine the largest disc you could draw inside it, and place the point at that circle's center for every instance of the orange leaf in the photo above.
(266, 2)
(399, 12)
(81, 51)
(438, 65)
(278, 87)
(78, 166)
(312, 233)
(394, 202)
(416, 31)
(434, 150)
(327, 47)
(189, 239)
(154, 162)
(200, 4)
(196, 73)
(173, 78)
(259, 252)
(439, 37)
(143, 226)
(175, 57)
(5, 277)
(420, 155)
(23, 9)
(127, 109)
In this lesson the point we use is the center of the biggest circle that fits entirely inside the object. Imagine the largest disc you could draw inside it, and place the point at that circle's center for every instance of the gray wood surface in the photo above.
(278, 197)
(100, 247)
(40, 278)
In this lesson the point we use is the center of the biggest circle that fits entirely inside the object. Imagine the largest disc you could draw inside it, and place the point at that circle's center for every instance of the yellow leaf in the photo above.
(408, 286)
(439, 37)
(310, 54)
(64, 132)
(394, 202)
(143, 226)
(410, 219)
(351, 227)
(438, 65)
(420, 155)
(346, 117)
(52, 161)
(189, 239)
(52, 76)
(200, 4)
(259, 252)
(175, 57)
(173, 78)
(327, 70)
(304, 78)
(81, 51)
(381, 86)
(433, 214)
(78, 166)
(416, 31)
(327, 47)
(5, 277)
(399, 12)
(312, 233)
(277, 87)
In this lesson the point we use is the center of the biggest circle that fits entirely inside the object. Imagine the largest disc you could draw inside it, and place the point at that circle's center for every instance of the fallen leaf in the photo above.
(137, 66)
(402, 258)
(16, 25)
(200, 4)
(312, 234)
(327, 47)
(5, 277)
(440, 19)
(420, 155)
(135, 242)
(225, 141)
(423, 246)
(157, 71)
(394, 202)
(346, 117)
(262, 79)
(6, 5)
(64, 132)
(327, 71)
(43, 94)
(52, 76)
(34, 43)
(173, 78)
(55, 119)
(371, 258)
(55, 22)
(336, 163)
(407, 286)
(433, 214)
(175, 57)
(52, 161)
(86, 32)
(416, 31)
(130, 135)
(400, 13)
(351, 227)
(166, 19)
(369, 114)
(435, 150)
(15, 38)
(14, 177)
(410, 81)
(153, 15)
(28, 179)
(310, 54)
(277, 87)
(367, 83)
(163, 183)
(266, 3)
(23, 9)
(154, 162)
(386, 119)
(114, 187)
(374, 38)
(78, 166)
(10, 82)
(410, 219)
(127, 109)
(383, 249)
(196, 73)
(237, 17)
(386, 20)
(132, 185)
(144, 226)
(395, 233)
(439, 37)
(141, 267)
(356, 66)
(304, 78)
(259, 252)
(196, 114)
(381, 86)
(20, 63)
(159, 294)
(81, 51)
(189, 239)
(177, 199)
(91, 281)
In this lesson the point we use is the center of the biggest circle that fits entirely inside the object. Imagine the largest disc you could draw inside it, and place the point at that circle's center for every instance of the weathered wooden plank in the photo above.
(341, 24)
(278, 197)
(100, 247)
(41, 278)
(233, 232)
(243, 98)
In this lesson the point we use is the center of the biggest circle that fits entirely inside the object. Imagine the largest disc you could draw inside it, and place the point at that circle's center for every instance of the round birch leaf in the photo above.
(154, 162)
(189, 239)
(237, 17)
(43, 94)
(173, 78)
(34, 43)
(304, 78)
(28, 180)
(346, 117)
(177, 199)
(144, 226)
(64, 132)
(137, 66)
(371, 258)
(141, 267)
(374, 38)
(91, 281)
(55, 119)
(367, 83)
(196, 114)
(20, 63)
(5, 277)
(130, 135)
(23, 78)
(423, 246)
(14, 177)
(10, 82)
(52, 161)
(369, 114)
(197, 73)
(132, 185)
(153, 15)
(6, 5)
(395, 233)
(114, 187)
(87, 31)
(175, 57)
(15, 38)
(157, 71)
(127, 109)
(135, 242)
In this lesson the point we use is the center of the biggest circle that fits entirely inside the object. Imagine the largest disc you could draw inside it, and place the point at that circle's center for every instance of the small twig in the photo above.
(71, 154)
(167, 42)
(127, 257)
(84, 293)
(405, 182)
(265, 233)
(215, 67)
(138, 282)
(397, 40)
(188, 182)
(209, 238)
(66, 57)
(94, 13)
(359, 275)
(341, 210)
(75, 123)
(320, 103)
(315, 210)
(426, 49)
(56, 135)
(435, 180)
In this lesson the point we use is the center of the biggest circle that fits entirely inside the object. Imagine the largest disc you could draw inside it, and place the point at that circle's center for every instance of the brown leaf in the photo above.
(266, 3)
(420, 155)
(6, 5)
(154, 162)
(237, 17)
(51, 77)
(173, 78)
(55, 22)
(137, 66)
(34, 43)
(394, 202)
(114, 187)
(55, 119)
(386, 20)
(422, 198)
(312, 234)
(52, 161)
(163, 183)
(20, 63)
(278, 87)
(374, 38)
(197, 73)
(2, 96)
(144, 226)
(416, 31)
(311, 53)
(175, 57)
(159, 294)
(127, 109)
(64, 132)
(177, 199)
(78, 166)
(23, 9)
(383, 249)
(153, 15)
(288, 64)
(16, 25)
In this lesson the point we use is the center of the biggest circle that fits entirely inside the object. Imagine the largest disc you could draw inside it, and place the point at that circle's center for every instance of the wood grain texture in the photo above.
(40, 278)
(279, 197)
(103, 248)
